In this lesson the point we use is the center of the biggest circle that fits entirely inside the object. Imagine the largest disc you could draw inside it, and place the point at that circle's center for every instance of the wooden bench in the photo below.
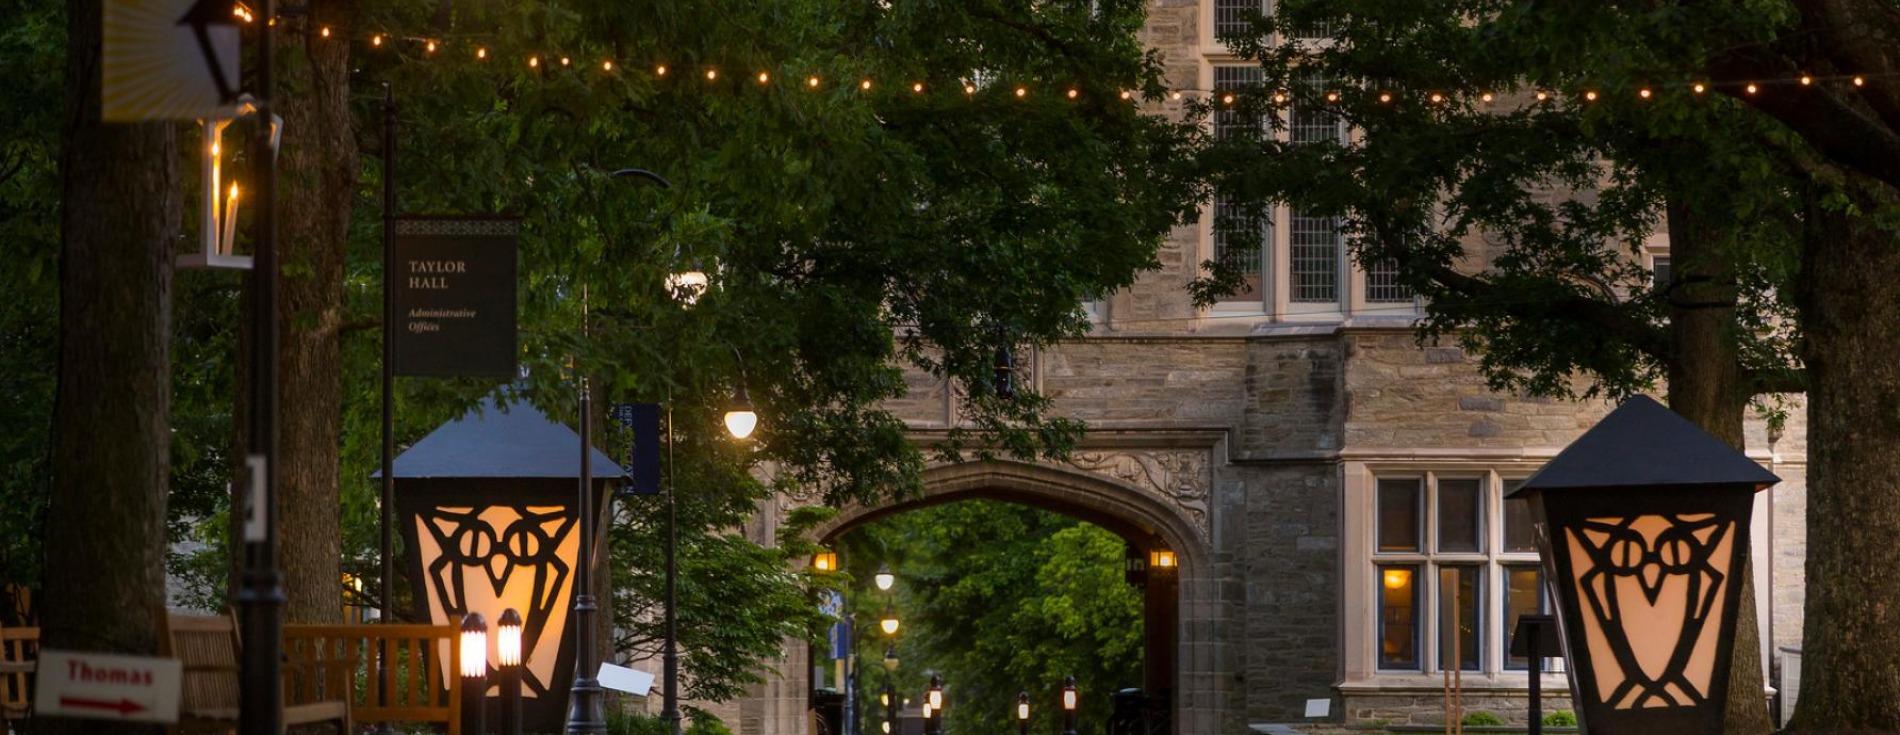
(418, 683)
(209, 649)
(19, 650)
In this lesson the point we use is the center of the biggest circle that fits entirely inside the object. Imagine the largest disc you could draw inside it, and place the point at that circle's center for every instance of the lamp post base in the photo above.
(586, 712)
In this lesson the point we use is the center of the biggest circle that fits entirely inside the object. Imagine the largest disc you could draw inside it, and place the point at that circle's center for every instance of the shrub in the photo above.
(1561, 718)
(1481, 717)
(624, 723)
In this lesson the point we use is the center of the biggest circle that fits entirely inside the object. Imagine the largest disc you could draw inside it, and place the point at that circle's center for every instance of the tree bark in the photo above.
(319, 175)
(119, 221)
(1850, 310)
(1706, 387)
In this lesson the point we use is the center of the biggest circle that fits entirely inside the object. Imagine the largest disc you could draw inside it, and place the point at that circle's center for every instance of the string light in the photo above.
(1227, 99)
(607, 65)
(1699, 88)
(432, 47)
(1541, 96)
(377, 41)
(1021, 91)
(969, 89)
(1806, 80)
(481, 53)
(1277, 97)
(1175, 95)
(1644, 93)
(712, 74)
(1332, 96)
(1590, 96)
(1383, 97)
(1073, 93)
(1125, 94)
(917, 88)
(865, 85)
(1436, 98)
(659, 71)
(1859, 82)
(534, 62)
(1751, 89)
(326, 31)
(812, 82)
(764, 77)
(1485, 97)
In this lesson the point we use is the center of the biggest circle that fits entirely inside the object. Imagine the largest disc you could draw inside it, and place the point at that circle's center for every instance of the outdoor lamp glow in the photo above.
(1022, 706)
(884, 579)
(1161, 559)
(740, 419)
(1069, 695)
(825, 562)
(508, 638)
(935, 699)
(889, 623)
(887, 727)
(927, 709)
(890, 658)
(474, 646)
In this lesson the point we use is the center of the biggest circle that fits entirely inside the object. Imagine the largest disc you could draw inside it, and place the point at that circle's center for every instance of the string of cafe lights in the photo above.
(442, 48)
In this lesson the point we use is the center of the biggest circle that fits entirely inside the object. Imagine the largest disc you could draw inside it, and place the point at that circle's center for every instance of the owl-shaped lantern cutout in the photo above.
(1642, 526)
(487, 507)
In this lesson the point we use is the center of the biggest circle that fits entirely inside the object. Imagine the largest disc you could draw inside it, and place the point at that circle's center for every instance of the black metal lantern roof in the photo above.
(511, 441)
(1643, 444)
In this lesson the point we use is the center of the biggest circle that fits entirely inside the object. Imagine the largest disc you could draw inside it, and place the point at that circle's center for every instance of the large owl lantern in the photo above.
(487, 514)
(1642, 526)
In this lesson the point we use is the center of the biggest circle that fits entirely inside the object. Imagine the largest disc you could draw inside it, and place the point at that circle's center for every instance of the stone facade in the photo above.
(1243, 439)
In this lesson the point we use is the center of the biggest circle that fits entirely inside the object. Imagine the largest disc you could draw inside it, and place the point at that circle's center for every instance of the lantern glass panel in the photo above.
(1519, 534)
(1523, 595)
(1398, 616)
(1460, 514)
(1399, 513)
(1460, 588)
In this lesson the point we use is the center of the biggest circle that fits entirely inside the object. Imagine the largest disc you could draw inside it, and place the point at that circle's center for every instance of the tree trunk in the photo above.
(319, 176)
(1850, 310)
(1705, 387)
(105, 525)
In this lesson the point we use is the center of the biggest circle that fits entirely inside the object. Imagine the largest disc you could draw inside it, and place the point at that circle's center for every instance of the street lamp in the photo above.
(884, 579)
(740, 418)
(933, 706)
(1022, 713)
(890, 659)
(889, 622)
(1069, 704)
(474, 672)
(508, 646)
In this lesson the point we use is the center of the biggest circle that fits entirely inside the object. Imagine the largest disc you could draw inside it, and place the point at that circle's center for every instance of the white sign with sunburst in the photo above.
(171, 59)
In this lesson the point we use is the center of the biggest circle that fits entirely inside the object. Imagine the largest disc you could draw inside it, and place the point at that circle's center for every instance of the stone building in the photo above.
(1325, 479)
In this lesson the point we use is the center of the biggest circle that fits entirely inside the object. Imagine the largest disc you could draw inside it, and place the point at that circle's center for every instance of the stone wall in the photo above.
(1290, 569)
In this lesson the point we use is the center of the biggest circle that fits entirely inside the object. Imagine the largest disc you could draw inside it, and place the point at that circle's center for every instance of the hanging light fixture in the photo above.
(889, 622)
(740, 419)
(884, 579)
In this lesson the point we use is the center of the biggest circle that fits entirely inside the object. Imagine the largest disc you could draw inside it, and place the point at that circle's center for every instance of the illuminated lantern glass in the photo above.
(825, 562)
(884, 579)
(1161, 559)
(1642, 526)
(740, 418)
(508, 639)
(889, 623)
(486, 507)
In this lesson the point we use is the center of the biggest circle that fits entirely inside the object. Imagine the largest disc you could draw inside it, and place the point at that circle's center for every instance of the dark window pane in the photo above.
(1518, 532)
(1313, 247)
(1460, 514)
(1398, 617)
(1235, 17)
(1460, 627)
(1398, 514)
(1523, 595)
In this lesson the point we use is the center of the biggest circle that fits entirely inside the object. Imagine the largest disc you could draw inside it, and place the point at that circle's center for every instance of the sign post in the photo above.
(102, 686)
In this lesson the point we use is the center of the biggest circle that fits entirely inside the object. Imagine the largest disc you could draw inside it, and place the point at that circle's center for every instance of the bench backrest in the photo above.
(19, 647)
(340, 661)
(207, 647)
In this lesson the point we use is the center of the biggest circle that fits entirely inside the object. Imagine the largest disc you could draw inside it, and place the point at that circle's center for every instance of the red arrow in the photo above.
(123, 706)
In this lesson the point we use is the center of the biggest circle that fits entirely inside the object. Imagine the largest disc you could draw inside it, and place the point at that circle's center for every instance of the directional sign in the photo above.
(106, 687)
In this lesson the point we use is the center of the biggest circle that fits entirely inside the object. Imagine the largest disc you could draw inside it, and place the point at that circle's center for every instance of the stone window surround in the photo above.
(1359, 577)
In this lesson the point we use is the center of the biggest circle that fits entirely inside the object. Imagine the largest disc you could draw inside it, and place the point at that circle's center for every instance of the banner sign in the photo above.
(642, 422)
(170, 60)
(454, 292)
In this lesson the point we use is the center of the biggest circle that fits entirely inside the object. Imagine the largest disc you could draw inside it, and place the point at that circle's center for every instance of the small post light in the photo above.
(508, 646)
(1022, 713)
(1070, 701)
(474, 671)
(1162, 559)
(933, 706)
(740, 419)
(824, 562)
(889, 622)
(1642, 527)
(936, 692)
(884, 579)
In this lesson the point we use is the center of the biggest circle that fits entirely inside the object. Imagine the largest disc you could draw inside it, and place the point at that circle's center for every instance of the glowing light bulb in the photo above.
(1332, 96)
(607, 66)
(1125, 94)
(481, 53)
(1591, 96)
(1806, 80)
(917, 87)
(969, 89)
(1699, 89)
(1174, 95)
(865, 85)
(431, 47)
(534, 62)
(1020, 91)
(659, 71)
(712, 74)
(764, 77)
(812, 82)
(1385, 97)
(1860, 82)
(1437, 98)
(1541, 96)
(326, 31)
(1073, 93)
(1643, 94)
(376, 40)
(1397, 579)
(564, 61)
(1278, 98)
(1227, 99)
(1751, 89)
(1485, 97)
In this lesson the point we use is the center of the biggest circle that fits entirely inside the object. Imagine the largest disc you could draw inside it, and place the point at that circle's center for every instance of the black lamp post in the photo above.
(1642, 527)
(586, 712)
(508, 645)
(1069, 704)
(890, 707)
(1022, 713)
(474, 673)
(933, 701)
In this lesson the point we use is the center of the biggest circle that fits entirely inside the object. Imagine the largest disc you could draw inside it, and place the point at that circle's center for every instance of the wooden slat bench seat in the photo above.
(19, 650)
(208, 648)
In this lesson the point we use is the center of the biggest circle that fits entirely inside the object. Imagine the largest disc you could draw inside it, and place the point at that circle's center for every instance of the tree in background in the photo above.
(1778, 213)
(997, 598)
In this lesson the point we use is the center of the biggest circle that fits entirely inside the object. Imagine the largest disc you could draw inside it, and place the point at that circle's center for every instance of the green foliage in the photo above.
(625, 723)
(998, 598)
(1481, 717)
(1561, 718)
(1551, 198)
